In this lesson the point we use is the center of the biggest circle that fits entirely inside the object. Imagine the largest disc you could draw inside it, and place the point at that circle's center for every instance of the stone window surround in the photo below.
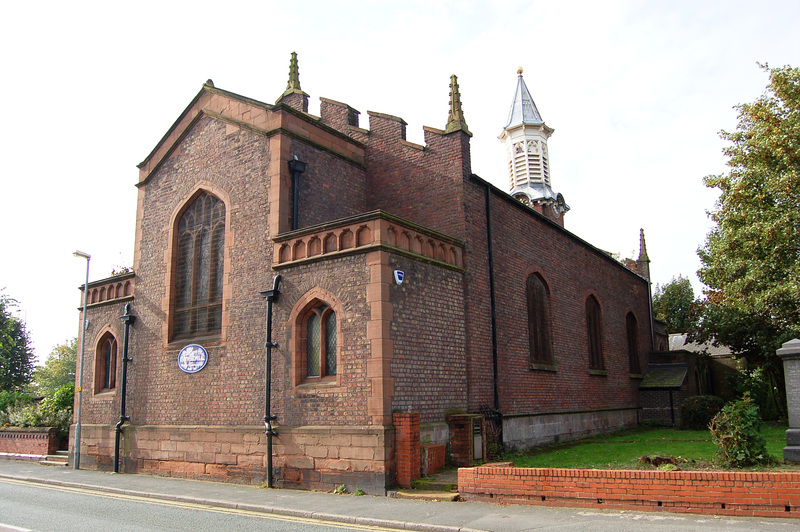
(170, 258)
(106, 334)
(302, 310)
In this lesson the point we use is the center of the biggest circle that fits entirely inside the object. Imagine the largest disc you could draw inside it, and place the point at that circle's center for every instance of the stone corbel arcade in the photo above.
(367, 232)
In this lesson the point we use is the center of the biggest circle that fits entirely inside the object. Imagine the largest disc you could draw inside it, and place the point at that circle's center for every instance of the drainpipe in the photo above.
(271, 296)
(128, 320)
(492, 298)
(296, 168)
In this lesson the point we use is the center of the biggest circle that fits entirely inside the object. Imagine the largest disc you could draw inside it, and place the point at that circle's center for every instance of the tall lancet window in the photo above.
(594, 330)
(199, 266)
(541, 345)
(632, 330)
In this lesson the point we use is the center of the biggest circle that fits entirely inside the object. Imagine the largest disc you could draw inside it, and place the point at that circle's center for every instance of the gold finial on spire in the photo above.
(455, 121)
(519, 71)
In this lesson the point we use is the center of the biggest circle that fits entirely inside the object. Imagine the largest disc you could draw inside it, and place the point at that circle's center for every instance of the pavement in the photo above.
(386, 512)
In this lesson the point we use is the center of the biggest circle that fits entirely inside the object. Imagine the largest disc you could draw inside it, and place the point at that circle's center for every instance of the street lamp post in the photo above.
(76, 445)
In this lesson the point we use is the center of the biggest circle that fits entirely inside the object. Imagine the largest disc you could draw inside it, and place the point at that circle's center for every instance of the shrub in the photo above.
(735, 432)
(54, 411)
(63, 398)
(11, 399)
(757, 383)
(698, 411)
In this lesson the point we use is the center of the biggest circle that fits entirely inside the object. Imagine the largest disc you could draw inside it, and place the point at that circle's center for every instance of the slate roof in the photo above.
(664, 377)
(523, 110)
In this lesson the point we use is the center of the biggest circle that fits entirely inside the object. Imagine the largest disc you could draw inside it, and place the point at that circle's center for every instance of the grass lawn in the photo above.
(692, 449)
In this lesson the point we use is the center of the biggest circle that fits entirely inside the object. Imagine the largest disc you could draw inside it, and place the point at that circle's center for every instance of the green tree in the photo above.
(751, 258)
(16, 355)
(673, 303)
(58, 369)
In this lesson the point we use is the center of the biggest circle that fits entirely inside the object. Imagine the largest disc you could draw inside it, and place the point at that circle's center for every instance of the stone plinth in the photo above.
(790, 353)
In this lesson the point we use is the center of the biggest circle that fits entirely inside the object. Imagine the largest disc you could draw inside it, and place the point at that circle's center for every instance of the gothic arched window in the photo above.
(321, 342)
(105, 364)
(632, 329)
(594, 331)
(541, 345)
(199, 265)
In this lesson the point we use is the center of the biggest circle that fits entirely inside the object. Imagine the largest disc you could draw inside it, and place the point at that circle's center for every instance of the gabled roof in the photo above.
(254, 115)
(523, 110)
(190, 114)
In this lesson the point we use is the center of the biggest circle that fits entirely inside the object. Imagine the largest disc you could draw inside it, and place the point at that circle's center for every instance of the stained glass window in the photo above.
(314, 345)
(330, 344)
(321, 342)
(105, 369)
(199, 266)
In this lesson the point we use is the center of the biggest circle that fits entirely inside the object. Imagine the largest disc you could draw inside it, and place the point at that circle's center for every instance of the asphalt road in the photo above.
(60, 509)
(41, 498)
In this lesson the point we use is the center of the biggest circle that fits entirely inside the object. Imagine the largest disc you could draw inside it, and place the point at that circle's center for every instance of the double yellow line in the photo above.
(197, 506)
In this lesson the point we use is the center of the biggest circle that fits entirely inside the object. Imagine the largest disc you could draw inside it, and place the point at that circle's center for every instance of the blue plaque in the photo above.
(192, 358)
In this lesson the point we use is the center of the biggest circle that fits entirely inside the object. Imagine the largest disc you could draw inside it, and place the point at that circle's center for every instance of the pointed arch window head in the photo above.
(199, 268)
(539, 337)
(105, 364)
(632, 330)
(594, 331)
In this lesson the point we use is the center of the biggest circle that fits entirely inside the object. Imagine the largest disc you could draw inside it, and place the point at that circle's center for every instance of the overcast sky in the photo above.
(636, 91)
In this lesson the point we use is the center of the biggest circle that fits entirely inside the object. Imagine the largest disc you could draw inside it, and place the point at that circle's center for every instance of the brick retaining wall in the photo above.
(34, 443)
(763, 494)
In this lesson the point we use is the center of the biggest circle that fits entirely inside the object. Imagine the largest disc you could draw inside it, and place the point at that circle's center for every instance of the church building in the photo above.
(317, 302)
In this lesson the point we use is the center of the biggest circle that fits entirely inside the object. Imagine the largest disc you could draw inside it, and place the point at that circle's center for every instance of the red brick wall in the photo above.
(429, 340)
(28, 441)
(230, 162)
(330, 188)
(433, 458)
(462, 450)
(424, 186)
(477, 308)
(101, 407)
(703, 492)
(343, 404)
(524, 243)
(407, 448)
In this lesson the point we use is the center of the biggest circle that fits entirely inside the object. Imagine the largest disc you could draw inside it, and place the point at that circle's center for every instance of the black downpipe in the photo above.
(271, 296)
(128, 320)
(492, 298)
(296, 168)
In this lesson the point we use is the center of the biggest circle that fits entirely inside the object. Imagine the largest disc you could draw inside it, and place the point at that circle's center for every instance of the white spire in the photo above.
(525, 137)
(523, 110)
